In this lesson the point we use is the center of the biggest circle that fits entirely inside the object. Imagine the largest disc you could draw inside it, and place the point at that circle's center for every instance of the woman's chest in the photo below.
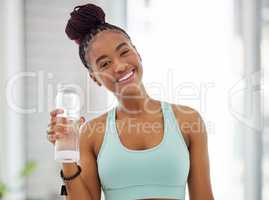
(137, 134)
(140, 134)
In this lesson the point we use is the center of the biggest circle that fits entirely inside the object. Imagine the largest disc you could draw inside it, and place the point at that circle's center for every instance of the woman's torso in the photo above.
(139, 137)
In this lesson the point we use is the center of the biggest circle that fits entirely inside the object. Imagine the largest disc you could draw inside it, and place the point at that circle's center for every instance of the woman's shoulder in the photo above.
(189, 120)
(185, 112)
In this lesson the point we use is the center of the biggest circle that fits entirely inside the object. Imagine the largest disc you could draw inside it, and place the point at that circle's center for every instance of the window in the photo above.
(192, 55)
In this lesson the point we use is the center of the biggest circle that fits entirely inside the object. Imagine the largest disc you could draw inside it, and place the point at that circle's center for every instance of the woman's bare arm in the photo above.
(86, 186)
(194, 132)
(199, 176)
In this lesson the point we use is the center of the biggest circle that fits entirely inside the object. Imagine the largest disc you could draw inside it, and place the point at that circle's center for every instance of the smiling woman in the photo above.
(120, 60)
(147, 162)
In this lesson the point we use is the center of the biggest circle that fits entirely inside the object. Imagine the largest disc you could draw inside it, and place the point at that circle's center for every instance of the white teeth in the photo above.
(126, 76)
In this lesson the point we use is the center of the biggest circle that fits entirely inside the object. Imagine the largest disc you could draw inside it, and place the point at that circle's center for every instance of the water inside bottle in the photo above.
(67, 148)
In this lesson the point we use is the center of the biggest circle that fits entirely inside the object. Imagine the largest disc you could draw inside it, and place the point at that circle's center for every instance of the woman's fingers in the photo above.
(50, 135)
(53, 113)
(51, 138)
(82, 120)
(83, 125)
(56, 132)
(49, 130)
(60, 126)
(60, 120)
(53, 126)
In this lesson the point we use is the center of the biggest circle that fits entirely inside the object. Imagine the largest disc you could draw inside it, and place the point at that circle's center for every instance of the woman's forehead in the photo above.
(106, 41)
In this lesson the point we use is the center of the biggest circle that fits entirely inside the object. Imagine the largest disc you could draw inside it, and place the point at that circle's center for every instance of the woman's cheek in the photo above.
(108, 81)
(106, 77)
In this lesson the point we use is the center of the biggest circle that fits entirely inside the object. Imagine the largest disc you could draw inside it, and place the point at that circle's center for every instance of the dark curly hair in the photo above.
(85, 22)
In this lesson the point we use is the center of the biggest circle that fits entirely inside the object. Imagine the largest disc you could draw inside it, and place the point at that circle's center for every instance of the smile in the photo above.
(127, 78)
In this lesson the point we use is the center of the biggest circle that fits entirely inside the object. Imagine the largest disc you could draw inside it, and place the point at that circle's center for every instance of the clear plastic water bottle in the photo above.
(67, 147)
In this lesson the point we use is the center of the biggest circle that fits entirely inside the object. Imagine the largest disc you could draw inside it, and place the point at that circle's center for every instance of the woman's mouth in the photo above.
(129, 77)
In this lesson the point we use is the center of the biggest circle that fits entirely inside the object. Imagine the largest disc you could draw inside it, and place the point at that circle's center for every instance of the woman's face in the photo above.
(115, 62)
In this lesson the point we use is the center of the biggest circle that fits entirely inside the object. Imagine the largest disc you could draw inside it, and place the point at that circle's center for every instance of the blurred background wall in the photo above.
(210, 55)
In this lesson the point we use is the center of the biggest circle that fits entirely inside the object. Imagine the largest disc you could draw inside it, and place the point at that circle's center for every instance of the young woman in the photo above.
(142, 148)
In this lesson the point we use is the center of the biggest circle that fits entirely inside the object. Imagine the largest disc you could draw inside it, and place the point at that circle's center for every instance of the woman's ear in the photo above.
(94, 78)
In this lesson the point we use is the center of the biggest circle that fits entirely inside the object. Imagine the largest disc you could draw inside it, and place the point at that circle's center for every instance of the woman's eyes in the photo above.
(124, 52)
(104, 64)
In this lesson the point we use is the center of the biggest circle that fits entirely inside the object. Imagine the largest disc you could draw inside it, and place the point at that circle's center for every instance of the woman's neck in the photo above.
(136, 104)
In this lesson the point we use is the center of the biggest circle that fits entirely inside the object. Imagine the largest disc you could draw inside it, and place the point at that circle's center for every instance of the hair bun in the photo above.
(83, 19)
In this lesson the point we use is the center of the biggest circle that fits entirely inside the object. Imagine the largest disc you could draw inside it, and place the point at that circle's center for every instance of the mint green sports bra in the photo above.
(158, 172)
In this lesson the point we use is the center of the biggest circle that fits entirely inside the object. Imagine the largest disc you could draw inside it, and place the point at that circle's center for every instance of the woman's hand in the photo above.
(59, 126)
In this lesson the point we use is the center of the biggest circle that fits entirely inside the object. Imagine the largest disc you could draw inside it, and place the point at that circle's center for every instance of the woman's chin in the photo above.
(132, 90)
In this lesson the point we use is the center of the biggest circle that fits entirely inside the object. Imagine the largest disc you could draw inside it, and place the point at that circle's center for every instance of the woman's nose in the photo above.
(120, 67)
